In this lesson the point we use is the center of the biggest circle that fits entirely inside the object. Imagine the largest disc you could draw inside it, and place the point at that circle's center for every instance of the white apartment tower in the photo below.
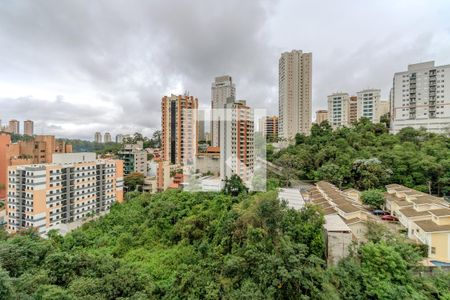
(339, 110)
(237, 140)
(221, 89)
(295, 93)
(421, 98)
(368, 104)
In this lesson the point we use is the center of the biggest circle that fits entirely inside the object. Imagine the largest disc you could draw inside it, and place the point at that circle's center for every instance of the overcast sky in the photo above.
(76, 67)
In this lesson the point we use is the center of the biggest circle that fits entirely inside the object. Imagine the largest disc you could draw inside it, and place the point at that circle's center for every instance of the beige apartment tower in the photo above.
(269, 127)
(28, 128)
(321, 116)
(295, 93)
(14, 127)
(353, 110)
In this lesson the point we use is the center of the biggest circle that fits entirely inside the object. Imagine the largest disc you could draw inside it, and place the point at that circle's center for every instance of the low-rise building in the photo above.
(211, 184)
(334, 201)
(208, 162)
(292, 197)
(426, 218)
(338, 238)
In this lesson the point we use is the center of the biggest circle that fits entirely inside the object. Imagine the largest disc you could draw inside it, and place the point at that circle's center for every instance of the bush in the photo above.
(373, 197)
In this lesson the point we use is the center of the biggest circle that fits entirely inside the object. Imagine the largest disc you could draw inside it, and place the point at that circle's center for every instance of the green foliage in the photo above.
(6, 286)
(176, 245)
(88, 146)
(234, 186)
(386, 268)
(179, 245)
(134, 180)
(366, 156)
(373, 197)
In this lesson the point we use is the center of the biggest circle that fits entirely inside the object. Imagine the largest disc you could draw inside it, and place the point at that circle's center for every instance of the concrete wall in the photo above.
(208, 163)
(337, 246)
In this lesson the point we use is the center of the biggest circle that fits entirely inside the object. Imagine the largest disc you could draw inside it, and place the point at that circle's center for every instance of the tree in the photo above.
(373, 197)
(234, 186)
(6, 287)
(134, 181)
(369, 173)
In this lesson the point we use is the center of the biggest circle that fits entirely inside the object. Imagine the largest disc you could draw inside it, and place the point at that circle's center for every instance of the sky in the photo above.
(77, 67)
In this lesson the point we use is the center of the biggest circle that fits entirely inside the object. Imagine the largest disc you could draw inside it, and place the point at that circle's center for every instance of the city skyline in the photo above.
(94, 85)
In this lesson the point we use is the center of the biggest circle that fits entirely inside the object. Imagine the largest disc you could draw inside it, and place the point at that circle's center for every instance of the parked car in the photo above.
(389, 218)
(379, 212)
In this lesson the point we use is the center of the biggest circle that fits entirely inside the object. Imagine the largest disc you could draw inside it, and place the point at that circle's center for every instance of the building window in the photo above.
(433, 250)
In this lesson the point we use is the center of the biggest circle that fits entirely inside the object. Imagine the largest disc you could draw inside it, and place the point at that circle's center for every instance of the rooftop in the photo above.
(430, 226)
(335, 223)
(440, 212)
(293, 198)
(411, 212)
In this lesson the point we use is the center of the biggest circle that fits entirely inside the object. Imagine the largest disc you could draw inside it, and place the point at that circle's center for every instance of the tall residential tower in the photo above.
(179, 129)
(28, 128)
(421, 98)
(237, 140)
(339, 109)
(222, 88)
(368, 104)
(295, 93)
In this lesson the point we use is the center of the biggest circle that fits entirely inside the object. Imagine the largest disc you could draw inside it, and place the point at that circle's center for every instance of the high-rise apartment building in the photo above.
(119, 138)
(353, 110)
(201, 125)
(295, 93)
(338, 109)
(107, 137)
(421, 98)
(62, 194)
(321, 116)
(269, 127)
(179, 129)
(134, 158)
(368, 104)
(383, 108)
(237, 140)
(221, 89)
(14, 127)
(28, 127)
(98, 137)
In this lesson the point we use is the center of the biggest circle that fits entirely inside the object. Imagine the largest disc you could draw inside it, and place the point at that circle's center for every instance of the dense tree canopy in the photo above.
(373, 197)
(366, 156)
(179, 245)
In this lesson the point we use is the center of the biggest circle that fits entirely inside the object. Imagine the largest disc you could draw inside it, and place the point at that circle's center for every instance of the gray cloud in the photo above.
(112, 61)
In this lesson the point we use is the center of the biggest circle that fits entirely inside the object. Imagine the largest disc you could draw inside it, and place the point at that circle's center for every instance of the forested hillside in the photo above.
(178, 245)
(366, 156)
